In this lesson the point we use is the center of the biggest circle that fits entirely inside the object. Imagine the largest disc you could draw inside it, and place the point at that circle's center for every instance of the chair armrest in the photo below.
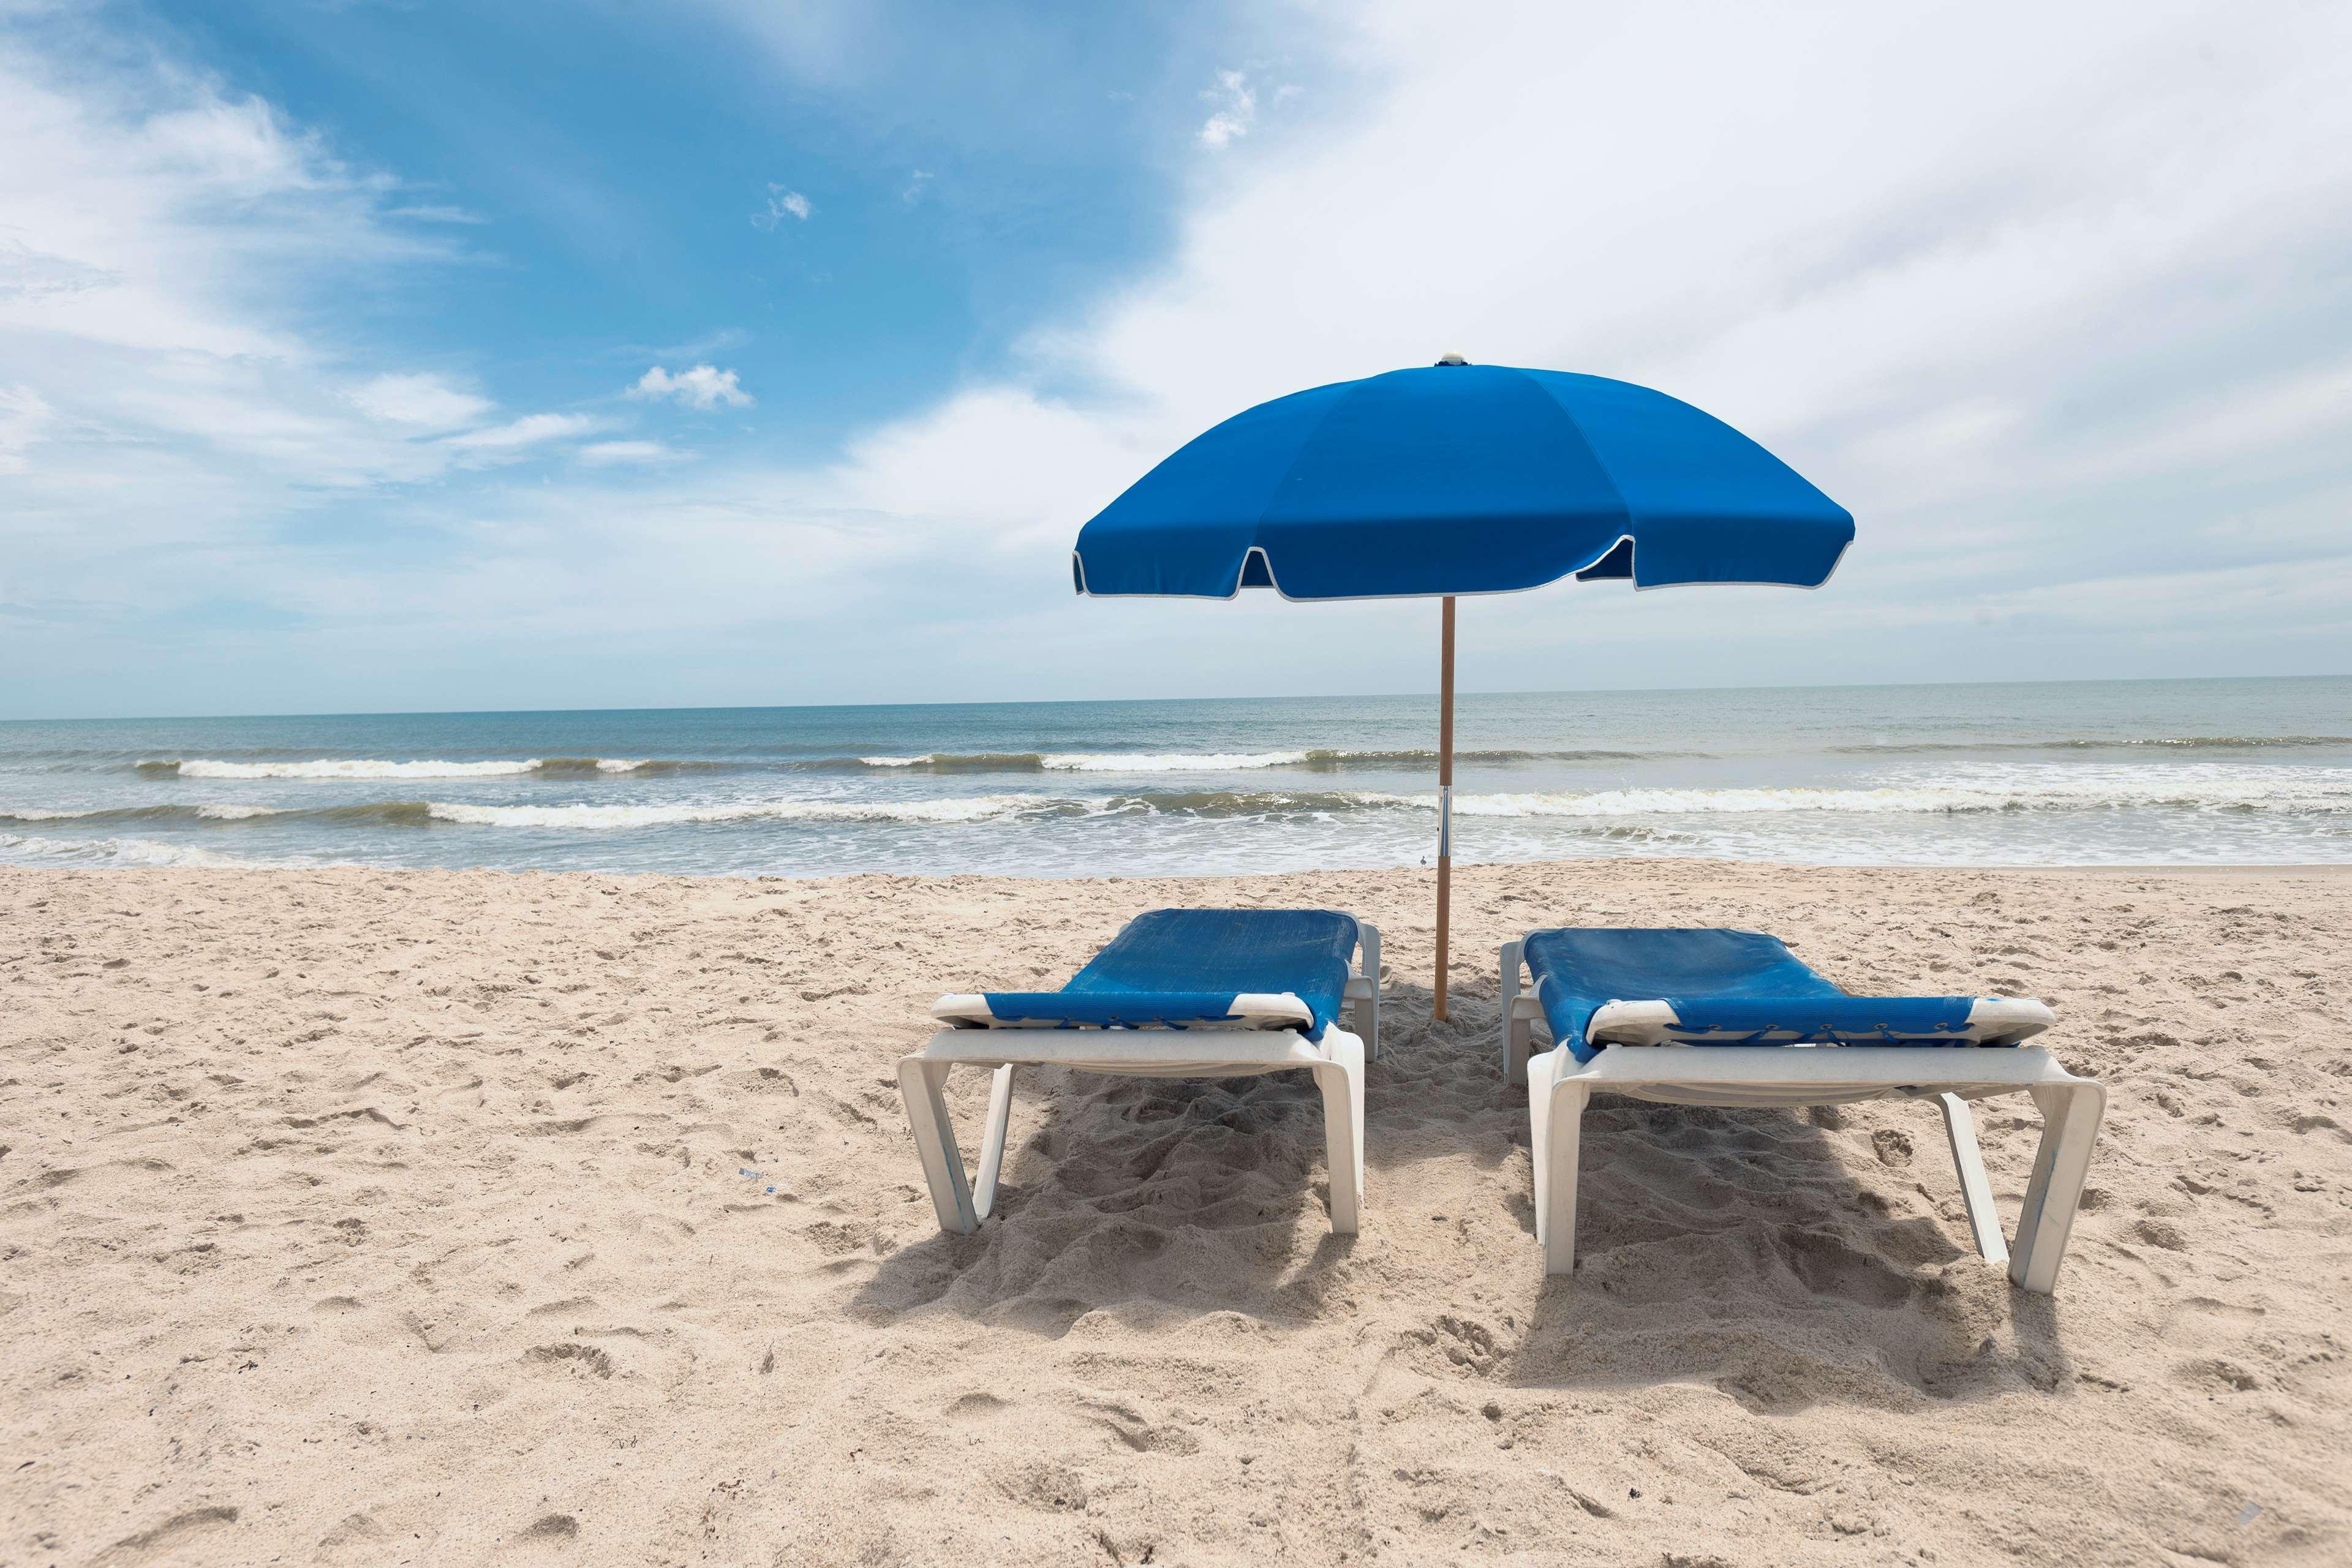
(1630, 1024)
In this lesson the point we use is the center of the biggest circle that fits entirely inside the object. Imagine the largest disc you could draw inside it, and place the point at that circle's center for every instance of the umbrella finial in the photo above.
(1452, 359)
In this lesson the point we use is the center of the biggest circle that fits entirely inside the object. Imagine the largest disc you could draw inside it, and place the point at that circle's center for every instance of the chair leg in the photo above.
(1975, 1189)
(2070, 1125)
(992, 1142)
(920, 1080)
(1514, 1028)
(1368, 1014)
(1556, 1134)
(1341, 1079)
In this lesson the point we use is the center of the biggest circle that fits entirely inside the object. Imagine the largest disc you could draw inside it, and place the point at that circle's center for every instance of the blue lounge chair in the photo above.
(1177, 993)
(1733, 1017)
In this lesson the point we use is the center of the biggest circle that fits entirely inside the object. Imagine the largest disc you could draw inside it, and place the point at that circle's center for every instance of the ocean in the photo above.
(2224, 771)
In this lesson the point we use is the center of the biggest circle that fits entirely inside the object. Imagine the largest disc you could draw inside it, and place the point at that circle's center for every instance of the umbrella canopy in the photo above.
(1459, 478)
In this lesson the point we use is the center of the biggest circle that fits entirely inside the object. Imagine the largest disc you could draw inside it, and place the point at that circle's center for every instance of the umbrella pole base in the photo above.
(1445, 908)
(1445, 801)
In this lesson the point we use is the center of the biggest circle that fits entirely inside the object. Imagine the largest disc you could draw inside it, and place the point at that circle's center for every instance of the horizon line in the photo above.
(1138, 701)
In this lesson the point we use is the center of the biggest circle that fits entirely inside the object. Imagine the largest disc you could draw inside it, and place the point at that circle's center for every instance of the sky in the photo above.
(367, 356)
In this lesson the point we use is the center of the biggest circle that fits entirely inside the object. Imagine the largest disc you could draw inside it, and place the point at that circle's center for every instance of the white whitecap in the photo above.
(2276, 789)
(1169, 763)
(353, 768)
(967, 809)
(108, 852)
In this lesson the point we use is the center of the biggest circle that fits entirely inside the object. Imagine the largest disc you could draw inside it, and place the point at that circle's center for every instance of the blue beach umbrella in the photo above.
(1460, 478)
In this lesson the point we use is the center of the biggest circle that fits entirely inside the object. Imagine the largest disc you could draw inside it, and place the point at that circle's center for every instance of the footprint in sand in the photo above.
(548, 1535)
(356, 1539)
(586, 1359)
(169, 1540)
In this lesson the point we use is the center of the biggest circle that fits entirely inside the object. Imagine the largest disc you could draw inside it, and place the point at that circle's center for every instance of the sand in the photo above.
(371, 1218)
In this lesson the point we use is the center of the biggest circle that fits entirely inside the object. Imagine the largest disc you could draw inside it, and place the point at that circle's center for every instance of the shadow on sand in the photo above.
(1788, 1257)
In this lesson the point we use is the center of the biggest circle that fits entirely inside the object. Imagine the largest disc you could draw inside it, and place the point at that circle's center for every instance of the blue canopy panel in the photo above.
(1740, 982)
(1461, 479)
(1176, 967)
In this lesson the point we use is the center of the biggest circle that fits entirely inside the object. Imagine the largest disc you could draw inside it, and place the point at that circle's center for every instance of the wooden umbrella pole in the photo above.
(1444, 799)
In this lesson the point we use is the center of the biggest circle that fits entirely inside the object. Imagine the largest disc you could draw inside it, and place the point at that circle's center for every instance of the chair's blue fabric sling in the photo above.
(1738, 981)
(1175, 967)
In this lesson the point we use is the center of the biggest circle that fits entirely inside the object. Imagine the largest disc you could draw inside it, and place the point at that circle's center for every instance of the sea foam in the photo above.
(1091, 762)
(341, 768)
(967, 809)
(2049, 792)
(110, 852)
(378, 768)
(1168, 763)
(1318, 759)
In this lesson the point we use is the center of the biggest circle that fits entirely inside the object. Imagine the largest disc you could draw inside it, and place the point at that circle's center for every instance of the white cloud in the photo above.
(531, 430)
(703, 386)
(782, 204)
(1235, 112)
(2074, 352)
(162, 242)
(1985, 326)
(607, 454)
(427, 401)
(24, 416)
(436, 212)
(154, 208)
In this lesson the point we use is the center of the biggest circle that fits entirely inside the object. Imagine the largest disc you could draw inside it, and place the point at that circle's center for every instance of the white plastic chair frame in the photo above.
(1558, 1087)
(1265, 1039)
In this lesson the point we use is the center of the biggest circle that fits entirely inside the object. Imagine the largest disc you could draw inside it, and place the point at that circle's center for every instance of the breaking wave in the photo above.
(2050, 794)
(336, 768)
(958, 762)
(1313, 759)
(1426, 757)
(377, 768)
(1090, 761)
(2206, 794)
(971, 809)
(2166, 744)
(1169, 763)
(2189, 788)
(598, 764)
(23, 850)
(1248, 803)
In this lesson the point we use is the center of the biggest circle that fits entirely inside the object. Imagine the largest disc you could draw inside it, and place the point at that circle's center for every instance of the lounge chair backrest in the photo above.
(1122, 1010)
(1177, 967)
(1600, 987)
